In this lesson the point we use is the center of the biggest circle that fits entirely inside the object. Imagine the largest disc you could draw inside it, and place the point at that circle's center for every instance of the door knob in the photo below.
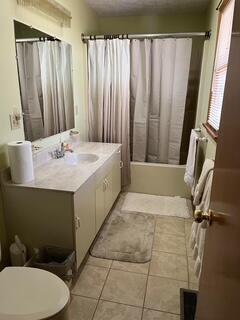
(210, 216)
(200, 216)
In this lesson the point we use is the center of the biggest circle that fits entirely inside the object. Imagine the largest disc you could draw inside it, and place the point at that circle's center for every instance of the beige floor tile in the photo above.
(192, 276)
(131, 267)
(188, 227)
(82, 308)
(99, 262)
(158, 315)
(90, 282)
(125, 287)
(169, 243)
(170, 225)
(114, 311)
(189, 249)
(164, 294)
(169, 265)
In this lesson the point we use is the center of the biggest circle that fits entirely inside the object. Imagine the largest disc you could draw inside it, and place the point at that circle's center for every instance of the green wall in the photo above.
(153, 24)
(206, 77)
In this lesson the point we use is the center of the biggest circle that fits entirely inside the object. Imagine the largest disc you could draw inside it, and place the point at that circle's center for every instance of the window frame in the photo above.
(212, 131)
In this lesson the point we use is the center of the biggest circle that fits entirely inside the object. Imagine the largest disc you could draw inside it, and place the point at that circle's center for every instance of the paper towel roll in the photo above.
(21, 161)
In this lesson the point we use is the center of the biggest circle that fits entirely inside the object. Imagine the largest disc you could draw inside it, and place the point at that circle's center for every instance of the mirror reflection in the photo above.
(45, 79)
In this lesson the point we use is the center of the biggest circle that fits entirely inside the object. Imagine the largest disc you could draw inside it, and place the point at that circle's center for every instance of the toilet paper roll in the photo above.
(21, 161)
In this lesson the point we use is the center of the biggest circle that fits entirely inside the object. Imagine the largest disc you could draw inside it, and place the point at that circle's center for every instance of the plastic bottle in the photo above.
(18, 252)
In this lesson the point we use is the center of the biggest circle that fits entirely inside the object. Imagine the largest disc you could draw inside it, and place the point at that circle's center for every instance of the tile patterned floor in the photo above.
(113, 290)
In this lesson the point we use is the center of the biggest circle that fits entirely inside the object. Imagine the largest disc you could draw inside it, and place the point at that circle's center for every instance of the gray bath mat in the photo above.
(125, 237)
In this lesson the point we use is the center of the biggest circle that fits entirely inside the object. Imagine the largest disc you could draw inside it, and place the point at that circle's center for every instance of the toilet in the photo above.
(32, 294)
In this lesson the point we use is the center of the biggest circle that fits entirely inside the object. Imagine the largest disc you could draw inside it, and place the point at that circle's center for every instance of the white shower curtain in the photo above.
(56, 76)
(159, 80)
(109, 96)
(31, 89)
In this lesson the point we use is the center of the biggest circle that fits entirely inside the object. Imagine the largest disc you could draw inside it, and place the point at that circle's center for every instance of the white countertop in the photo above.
(59, 175)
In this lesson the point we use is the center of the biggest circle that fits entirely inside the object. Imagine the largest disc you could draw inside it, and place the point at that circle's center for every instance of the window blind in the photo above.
(221, 64)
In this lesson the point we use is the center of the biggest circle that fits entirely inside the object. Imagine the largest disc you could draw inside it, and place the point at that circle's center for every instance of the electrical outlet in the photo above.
(15, 119)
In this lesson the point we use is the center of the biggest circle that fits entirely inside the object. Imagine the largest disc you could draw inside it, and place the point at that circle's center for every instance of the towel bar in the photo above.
(197, 156)
(203, 139)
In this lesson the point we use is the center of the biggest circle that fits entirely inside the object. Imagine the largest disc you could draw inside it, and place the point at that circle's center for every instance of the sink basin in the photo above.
(81, 158)
(87, 157)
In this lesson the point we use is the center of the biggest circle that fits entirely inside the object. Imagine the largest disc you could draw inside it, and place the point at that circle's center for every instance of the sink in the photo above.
(87, 158)
(80, 158)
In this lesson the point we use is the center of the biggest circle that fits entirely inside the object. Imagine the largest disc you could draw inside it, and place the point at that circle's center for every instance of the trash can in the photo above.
(59, 261)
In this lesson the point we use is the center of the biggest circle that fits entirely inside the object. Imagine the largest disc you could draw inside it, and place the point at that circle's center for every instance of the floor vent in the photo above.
(188, 303)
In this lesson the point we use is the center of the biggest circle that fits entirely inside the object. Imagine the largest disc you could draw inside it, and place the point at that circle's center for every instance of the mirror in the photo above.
(45, 80)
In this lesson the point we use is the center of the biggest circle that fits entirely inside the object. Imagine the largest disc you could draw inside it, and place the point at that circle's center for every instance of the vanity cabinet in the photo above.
(116, 174)
(84, 219)
(108, 189)
(104, 199)
(61, 218)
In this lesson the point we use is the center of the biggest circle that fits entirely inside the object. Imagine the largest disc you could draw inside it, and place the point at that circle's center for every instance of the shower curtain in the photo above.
(159, 80)
(46, 87)
(31, 89)
(56, 76)
(109, 95)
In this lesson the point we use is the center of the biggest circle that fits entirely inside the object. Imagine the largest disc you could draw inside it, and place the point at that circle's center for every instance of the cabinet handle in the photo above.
(77, 222)
(121, 164)
(107, 183)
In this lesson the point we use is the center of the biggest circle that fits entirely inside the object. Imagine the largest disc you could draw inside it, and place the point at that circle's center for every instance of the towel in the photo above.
(198, 192)
(191, 159)
(198, 231)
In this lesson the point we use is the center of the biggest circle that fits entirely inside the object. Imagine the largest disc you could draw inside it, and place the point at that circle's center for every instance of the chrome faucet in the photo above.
(58, 152)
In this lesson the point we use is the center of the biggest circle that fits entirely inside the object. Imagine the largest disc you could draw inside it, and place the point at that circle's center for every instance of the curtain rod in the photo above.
(207, 35)
(219, 5)
(37, 39)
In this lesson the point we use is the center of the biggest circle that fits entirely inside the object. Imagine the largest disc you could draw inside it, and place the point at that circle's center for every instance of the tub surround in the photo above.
(158, 179)
(66, 204)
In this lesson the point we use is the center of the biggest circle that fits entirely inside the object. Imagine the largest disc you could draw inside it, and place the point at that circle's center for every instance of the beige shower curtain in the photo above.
(31, 89)
(159, 81)
(56, 77)
(109, 95)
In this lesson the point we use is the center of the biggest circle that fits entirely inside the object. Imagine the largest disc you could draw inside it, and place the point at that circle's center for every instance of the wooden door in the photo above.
(219, 292)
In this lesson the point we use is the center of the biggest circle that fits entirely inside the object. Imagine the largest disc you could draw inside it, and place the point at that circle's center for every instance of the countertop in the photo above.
(60, 175)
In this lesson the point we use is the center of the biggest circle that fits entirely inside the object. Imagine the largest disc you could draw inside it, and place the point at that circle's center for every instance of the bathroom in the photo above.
(97, 184)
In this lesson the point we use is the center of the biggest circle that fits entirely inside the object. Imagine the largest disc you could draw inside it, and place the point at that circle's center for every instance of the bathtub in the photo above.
(158, 179)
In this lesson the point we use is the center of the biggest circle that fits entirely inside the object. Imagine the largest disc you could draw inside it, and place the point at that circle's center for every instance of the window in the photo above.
(220, 67)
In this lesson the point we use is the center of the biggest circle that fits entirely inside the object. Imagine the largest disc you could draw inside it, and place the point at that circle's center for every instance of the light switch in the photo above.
(15, 119)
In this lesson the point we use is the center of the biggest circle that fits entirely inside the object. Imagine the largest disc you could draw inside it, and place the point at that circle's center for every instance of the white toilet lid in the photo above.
(31, 294)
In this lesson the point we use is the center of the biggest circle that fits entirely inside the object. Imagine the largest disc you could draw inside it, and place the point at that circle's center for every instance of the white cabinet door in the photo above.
(100, 204)
(84, 215)
(108, 193)
(116, 175)
(108, 190)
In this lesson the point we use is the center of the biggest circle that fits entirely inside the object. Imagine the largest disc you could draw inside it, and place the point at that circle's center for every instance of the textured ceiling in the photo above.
(145, 7)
